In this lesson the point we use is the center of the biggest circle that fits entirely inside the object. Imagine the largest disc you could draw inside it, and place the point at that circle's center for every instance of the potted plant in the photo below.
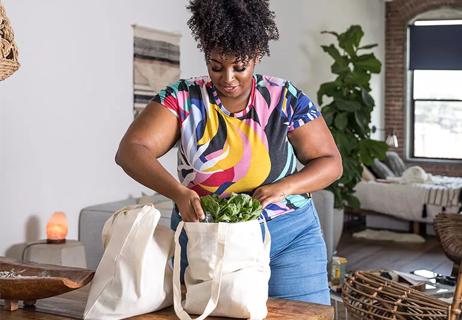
(348, 113)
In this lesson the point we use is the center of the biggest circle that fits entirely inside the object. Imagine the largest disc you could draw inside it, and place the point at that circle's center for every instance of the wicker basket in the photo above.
(369, 296)
(8, 50)
(448, 228)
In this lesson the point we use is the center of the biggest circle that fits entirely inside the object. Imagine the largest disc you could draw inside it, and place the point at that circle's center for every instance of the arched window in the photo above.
(435, 89)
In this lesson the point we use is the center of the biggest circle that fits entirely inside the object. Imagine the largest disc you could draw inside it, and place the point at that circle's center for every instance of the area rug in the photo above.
(384, 235)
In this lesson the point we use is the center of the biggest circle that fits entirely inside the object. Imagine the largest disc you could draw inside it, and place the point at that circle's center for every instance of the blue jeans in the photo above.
(298, 258)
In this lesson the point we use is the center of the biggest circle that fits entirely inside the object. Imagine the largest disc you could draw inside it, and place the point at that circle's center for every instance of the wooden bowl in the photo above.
(38, 281)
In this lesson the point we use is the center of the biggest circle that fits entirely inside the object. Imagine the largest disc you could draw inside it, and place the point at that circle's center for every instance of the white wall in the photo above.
(298, 55)
(63, 114)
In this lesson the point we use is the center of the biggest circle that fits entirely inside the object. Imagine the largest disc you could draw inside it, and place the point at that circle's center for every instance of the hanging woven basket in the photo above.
(8, 50)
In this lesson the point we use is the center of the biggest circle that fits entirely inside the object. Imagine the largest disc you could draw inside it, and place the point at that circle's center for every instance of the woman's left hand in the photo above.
(271, 193)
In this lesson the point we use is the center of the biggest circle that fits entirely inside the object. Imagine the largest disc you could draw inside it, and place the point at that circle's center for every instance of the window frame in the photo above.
(410, 116)
(412, 126)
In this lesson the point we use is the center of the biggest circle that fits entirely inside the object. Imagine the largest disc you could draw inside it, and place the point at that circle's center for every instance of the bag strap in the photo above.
(110, 259)
(217, 274)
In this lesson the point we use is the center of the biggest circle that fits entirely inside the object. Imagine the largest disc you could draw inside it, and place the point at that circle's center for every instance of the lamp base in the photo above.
(57, 241)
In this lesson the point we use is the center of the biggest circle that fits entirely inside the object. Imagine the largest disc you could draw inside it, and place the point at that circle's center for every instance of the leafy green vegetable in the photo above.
(237, 208)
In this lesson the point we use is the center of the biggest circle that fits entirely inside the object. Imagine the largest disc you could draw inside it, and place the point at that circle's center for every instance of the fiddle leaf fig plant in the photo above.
(348, 113)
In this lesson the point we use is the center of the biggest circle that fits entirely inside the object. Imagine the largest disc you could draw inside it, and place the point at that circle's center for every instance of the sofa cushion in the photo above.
(381, 170)
(395, 163)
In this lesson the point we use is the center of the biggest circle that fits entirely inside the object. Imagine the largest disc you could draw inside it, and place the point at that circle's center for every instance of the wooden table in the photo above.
(72, 304)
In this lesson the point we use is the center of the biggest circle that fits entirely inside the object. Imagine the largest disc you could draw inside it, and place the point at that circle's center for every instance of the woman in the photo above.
(241, 132)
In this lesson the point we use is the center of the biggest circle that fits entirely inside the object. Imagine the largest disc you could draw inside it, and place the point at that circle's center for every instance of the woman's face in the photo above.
(232, 78)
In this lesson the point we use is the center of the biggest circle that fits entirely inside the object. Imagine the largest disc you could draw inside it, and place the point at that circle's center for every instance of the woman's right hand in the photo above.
(189, 205)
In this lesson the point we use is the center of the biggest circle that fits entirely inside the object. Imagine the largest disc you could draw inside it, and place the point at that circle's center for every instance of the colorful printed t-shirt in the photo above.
(222, 152)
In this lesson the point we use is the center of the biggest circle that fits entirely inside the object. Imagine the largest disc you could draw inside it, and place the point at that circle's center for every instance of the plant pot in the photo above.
(338, 226)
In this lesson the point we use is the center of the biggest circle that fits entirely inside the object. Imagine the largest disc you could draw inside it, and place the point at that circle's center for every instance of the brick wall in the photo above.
(398, 14)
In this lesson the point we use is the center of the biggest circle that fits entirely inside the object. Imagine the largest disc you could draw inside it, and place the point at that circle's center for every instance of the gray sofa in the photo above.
(91, 221)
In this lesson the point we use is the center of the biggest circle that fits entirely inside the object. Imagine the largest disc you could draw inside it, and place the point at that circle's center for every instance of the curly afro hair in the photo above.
(241, 28)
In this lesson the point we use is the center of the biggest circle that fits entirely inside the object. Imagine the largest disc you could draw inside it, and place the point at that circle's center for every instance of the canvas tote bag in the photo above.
(228, 270)
(133, 276)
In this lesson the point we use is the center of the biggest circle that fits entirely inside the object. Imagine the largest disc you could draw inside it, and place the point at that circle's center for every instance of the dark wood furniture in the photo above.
(72, 304)
(31, 281)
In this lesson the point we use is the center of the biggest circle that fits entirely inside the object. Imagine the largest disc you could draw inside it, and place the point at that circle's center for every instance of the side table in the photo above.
(70, 254)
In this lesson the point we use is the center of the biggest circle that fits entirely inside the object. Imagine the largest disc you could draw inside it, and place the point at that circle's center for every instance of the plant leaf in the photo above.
(368, 46)
(350, 39)
(368, 62)
(352, 201)
(341, 120)
(357, 77)
(370, 149)
(327, 89)
(238, 207)
(332, 51)
(367, 98)
(331, 32)
(347, 105)
(362, 120)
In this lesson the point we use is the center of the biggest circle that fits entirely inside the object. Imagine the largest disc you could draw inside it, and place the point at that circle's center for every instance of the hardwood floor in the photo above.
(369, 254)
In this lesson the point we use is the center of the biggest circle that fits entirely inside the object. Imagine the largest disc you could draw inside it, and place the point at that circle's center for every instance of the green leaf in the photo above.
(341, 120)
(357, 78)
(340, 67)
(368, 46)
(331, 32)
(238, 207)
(370, 149)
(362, 120)
(328, 114)
(367, 98)
(327, 89)
(332, 51)
(350, 39)
(345, 143)
(329, 117)
(368, 62)
(347, 105)
(340, 62)
(352, 201)
(210, 204)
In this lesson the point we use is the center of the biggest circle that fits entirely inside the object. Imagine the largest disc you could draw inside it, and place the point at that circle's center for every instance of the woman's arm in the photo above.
(149, 137)
(315, 148)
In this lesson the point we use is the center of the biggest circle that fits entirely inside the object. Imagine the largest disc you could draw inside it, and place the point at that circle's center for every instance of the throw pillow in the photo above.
(367, 174)
(381, 170)
(395, 163)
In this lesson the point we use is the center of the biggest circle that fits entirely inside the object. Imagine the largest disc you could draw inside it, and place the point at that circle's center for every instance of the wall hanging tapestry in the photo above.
(156, 63)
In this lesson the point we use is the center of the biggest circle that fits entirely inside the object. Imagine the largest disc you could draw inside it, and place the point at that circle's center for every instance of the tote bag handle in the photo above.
(267, 240)
(217, 274)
